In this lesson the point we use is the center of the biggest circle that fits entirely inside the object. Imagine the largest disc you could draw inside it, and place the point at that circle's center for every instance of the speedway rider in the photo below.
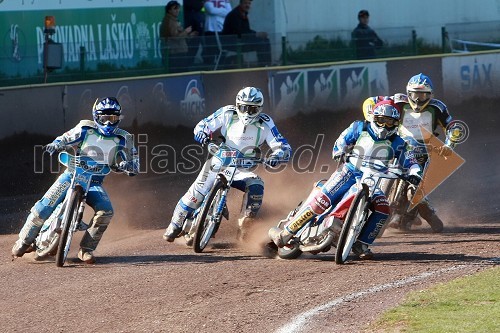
(419, 108)
(369, 140)
(102, 140)
(245, 128)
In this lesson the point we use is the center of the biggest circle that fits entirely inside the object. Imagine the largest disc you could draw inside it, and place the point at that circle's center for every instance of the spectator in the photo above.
(215, 13)
(194, 17)
(174, 38)
(236, 23)
(364, 38)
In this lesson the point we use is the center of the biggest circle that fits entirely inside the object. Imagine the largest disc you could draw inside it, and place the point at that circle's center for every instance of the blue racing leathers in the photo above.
(359, 139)
(88, 141)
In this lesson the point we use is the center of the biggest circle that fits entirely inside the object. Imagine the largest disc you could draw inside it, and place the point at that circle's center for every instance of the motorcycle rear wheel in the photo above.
(70, 219)
(289, 251)
(353, 223)
(49, 250)
(209, 218)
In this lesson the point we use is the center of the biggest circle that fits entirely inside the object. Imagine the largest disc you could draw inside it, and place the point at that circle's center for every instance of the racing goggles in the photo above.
(108, 119)
(387, 122)
(249, 109)
(419, 96)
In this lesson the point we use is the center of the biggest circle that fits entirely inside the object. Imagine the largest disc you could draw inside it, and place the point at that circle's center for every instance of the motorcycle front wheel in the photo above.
(70, 218)
(209, 218)
(353, 223)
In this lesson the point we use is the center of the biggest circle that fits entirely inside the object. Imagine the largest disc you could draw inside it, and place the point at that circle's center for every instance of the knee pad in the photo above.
(35, 218)
(102, 218)
(42, 210)
(192, 200)
(318, 201)
(252, 200)
(380, 205)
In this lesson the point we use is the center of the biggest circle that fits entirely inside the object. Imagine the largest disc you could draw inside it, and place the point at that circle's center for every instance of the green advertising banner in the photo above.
(118, 34)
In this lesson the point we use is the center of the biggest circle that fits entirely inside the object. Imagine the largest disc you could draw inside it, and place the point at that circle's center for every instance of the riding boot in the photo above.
(244, 224)
(429, 214)
(407, 219)
(27, 235)
(281, 237)
(174, 229)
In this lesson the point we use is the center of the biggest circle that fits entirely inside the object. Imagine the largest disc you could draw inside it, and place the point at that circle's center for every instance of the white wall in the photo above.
(426, 16)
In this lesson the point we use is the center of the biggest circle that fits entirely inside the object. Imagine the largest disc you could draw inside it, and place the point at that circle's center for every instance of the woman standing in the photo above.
(173, 37)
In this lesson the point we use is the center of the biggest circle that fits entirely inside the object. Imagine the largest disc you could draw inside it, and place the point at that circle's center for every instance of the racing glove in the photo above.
(127, 167)
(445, 151)
(414, 180)
(201, 137)
(339, 156)
(276, 158)
(53, 147)
(414, 176)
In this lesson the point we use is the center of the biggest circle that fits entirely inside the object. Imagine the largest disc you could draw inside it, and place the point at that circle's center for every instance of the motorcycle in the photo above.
(205, 221)
(58, 230)
(400, 194)
(340, 225)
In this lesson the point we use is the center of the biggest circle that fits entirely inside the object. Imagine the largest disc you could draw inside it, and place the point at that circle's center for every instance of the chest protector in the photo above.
(101, 148)
(369, 148)
(412, 122)
(244, 138)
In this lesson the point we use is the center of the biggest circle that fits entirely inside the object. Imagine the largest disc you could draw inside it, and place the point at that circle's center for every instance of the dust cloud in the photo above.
(146, 201)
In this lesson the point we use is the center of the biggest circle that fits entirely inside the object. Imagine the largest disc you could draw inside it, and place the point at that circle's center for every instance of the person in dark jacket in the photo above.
(237, 23)
(194, 17)
(365, 39)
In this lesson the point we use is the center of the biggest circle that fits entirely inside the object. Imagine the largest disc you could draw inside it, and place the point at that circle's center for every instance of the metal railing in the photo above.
(221, 52)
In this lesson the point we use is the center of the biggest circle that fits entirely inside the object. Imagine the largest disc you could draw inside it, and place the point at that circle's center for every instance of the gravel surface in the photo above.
(140, 283)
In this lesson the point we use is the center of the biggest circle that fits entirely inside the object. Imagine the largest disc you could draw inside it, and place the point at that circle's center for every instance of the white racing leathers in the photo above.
(244, 138)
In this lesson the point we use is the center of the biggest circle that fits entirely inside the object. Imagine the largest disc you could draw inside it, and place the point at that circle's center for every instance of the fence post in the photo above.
(414, 42)
(444, 37)
(239, 55)
(166, 59)
(284, 59)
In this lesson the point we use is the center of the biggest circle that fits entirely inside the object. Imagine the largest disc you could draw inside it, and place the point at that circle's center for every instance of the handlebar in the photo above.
(238, 159)
(369, 162)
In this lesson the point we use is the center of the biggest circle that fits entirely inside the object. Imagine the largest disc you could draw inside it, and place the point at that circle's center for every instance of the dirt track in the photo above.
(142, 284)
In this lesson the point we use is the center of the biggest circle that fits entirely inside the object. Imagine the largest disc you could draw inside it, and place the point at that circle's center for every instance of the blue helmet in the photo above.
(419, 90)
(106, 113)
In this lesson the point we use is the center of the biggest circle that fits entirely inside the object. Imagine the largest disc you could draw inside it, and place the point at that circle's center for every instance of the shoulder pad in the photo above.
(228, 109)
(264, 118)
(122, 132)
(87, 123)
(438, 104)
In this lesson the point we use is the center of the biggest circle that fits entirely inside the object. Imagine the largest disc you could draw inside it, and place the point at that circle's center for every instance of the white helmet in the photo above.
(386, 118)
(249, 101)
(420, 91)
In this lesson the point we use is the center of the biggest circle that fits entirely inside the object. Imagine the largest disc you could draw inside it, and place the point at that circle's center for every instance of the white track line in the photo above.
(299, 321)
